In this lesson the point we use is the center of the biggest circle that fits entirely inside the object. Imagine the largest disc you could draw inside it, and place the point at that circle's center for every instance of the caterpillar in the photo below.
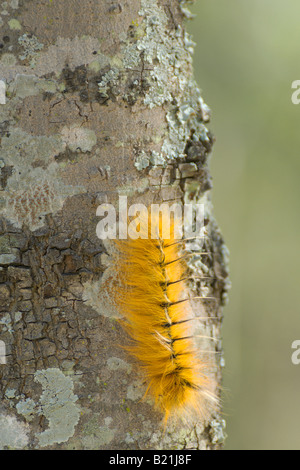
(158, 318)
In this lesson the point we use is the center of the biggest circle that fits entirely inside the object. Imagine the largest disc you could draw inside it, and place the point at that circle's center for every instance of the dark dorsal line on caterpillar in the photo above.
(169, 304)
(183, 257)
(152, 296)
(184, 240)
(192, 319)
(192, 278)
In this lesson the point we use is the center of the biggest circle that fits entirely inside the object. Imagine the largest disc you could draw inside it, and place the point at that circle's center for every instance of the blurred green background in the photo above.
(247, 56)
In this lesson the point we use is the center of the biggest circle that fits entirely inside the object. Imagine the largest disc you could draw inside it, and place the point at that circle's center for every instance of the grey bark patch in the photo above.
(115, 363)
(58, 405)
(13, 434)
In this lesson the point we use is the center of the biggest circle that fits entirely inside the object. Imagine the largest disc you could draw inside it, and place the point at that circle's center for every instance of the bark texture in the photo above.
(97, 99)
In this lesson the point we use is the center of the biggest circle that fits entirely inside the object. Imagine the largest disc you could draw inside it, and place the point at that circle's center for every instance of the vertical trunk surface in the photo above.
(97, 99)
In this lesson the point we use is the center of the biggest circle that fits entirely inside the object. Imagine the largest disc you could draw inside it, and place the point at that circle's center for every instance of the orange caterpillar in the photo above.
(151, 296)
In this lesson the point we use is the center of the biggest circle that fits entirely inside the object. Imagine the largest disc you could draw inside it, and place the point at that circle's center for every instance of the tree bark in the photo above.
(97, 99)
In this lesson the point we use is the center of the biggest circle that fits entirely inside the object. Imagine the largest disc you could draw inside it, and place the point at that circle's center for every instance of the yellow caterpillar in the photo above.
(152, 297)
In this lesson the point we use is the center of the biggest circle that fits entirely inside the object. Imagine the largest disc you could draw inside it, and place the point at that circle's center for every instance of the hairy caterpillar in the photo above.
(152, 296)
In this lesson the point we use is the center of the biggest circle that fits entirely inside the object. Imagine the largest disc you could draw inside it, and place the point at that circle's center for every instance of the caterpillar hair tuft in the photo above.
(152, 296)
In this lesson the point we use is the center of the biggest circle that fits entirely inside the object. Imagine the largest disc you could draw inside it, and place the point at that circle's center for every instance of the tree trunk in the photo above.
(97, 100)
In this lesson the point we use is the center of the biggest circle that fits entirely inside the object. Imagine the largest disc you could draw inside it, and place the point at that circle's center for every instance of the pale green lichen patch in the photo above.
(141, 185)
(58, 404)
(30, 192)
(217, 431)
(99, 63)
(8, 60)
(14, 24)
(75, 52)
(142, 161)
(157, 46)
(96, 436)
(157, 158)
(186, 12)
(79, 139)
(168, 55)
(31, 48)
(5, 245)
(31, 85)
(25, 85)
(13, 434)
(109, 80)
(27, 408)
(9, 258)
(172, 437)
(14, 4)
(99, 298)
(115, 363)
(10, 393)
(31, 149)
(135, 391)
(6, 322)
